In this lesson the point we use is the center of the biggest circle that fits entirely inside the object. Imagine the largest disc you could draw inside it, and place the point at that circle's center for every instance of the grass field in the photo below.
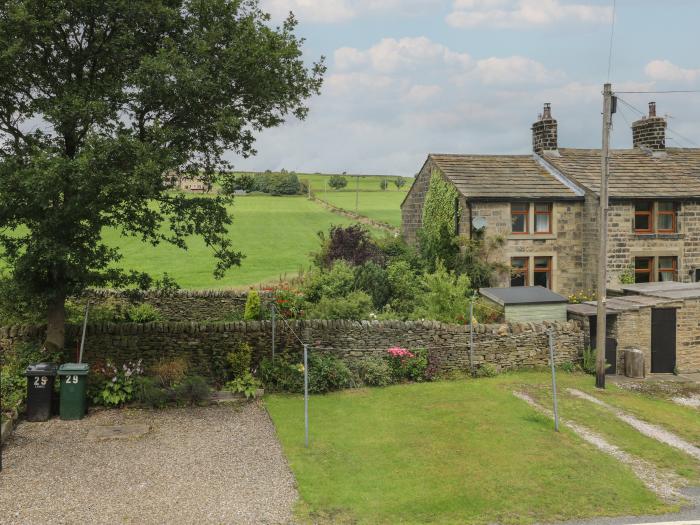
(275, 233)
(383, 206)
(456, 452)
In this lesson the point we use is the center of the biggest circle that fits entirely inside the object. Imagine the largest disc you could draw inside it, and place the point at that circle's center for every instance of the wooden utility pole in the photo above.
(603, 232)
(357, 193)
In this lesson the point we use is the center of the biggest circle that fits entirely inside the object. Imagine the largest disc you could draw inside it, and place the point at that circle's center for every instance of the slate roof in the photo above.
(634, 173)
(522, 295)
(495, 177)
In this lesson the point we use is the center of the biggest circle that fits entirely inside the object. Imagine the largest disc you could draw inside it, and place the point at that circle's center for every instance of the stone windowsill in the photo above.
(532, 237)
(668, 236)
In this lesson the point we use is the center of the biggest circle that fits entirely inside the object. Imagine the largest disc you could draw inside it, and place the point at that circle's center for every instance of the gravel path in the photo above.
(662, 483)
(218, 464)
(649, 430)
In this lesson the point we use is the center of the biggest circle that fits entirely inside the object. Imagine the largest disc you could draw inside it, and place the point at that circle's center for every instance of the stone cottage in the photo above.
(544, 206)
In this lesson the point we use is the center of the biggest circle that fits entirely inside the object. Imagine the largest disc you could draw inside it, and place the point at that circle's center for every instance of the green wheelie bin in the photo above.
(73, 377)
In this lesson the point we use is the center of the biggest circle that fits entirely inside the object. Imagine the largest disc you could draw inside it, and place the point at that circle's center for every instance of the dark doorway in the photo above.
(610, 343)
(663, 340)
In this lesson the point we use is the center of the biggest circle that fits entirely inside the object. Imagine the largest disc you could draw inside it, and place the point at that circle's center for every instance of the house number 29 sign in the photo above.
(72, 380)
(40, 382)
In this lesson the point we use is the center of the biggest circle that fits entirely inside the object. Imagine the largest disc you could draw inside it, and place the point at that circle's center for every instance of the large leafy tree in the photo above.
(103, 104)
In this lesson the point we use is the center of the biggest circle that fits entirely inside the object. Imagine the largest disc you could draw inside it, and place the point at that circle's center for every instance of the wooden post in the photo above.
(603, 241)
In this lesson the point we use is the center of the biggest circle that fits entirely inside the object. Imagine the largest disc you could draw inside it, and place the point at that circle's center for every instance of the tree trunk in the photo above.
(56, 323)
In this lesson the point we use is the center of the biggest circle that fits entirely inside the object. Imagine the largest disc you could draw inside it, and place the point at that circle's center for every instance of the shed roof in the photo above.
(522, 295)
(495, 177)
(666, 290)
(616, 305)
(634, 173)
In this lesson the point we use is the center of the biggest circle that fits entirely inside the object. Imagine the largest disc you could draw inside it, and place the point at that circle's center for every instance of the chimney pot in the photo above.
(652, 109)
(547, 113)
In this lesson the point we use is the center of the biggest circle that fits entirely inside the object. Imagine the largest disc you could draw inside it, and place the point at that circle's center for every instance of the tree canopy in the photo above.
(104, 104)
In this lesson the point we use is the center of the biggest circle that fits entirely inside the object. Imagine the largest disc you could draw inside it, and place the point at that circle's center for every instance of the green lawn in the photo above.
(448, 452)
(275, 233)
(383, 206)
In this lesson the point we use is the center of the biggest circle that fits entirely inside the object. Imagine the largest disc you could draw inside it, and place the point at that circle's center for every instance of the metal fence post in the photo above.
(306, 396)
(272, 314)
(471, 335)
(554, 380)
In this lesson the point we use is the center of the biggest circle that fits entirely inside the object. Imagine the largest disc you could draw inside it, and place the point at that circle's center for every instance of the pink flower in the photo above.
(396, 351)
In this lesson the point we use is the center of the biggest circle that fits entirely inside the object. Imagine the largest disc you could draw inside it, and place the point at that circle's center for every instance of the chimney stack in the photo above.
(544, 131)
(650, 132)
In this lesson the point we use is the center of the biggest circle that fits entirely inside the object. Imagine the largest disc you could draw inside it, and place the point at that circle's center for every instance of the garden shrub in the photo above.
(290, 302)
(327, 373)
(405, 288)
(239, 360)
(149, 392)
(245, 384)
(286, 373)
(374, 280)
(352, 244)
(406, 365)
(337, 281)
(169, 371)
(193, 390)
(446, 296)
(119, 387)
(373, 371)
(355, 306)
(252, 306)
(283, 374)
(143, 313)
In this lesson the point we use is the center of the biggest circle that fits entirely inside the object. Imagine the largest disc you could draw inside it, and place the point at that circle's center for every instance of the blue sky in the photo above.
(410, 77)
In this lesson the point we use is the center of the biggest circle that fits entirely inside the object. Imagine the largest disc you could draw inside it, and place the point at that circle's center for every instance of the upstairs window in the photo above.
(643, 222)
(543, 218)
(659, 217)
(520, 217)
(666, 217)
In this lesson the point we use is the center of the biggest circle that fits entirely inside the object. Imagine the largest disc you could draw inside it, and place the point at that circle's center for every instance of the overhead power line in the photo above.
(671, 130)
(663, 92)
(612, 36)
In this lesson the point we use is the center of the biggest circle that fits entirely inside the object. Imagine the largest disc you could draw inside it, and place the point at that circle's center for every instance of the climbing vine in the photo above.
(439, 208)
(440, 215)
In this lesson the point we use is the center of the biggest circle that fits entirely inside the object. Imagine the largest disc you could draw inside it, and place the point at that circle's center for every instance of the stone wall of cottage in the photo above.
(412, 207)
(205, 345)
(624, 244)
(565, 245)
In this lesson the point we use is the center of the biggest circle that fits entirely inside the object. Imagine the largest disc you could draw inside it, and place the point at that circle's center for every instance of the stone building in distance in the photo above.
(545, 206)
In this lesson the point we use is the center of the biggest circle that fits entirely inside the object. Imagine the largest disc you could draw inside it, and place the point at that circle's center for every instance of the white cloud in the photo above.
(334, 11)
(514, 70)
(392, 55)
(523, 13)
(421, 93)
(663, 70)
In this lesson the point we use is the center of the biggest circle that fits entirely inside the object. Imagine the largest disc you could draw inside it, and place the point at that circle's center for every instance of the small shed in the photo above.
(528, 303)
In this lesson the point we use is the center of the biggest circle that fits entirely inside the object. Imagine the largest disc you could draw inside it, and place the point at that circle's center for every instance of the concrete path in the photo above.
(218, 464)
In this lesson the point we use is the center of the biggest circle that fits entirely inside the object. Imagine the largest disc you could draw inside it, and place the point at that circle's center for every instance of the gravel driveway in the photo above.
(219, 464)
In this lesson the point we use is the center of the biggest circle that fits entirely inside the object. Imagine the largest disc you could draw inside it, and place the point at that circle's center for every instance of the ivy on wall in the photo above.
(440, 215)
(440, 212)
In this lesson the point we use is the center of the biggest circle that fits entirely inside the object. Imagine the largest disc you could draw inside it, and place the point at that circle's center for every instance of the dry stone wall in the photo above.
(206, 344)
(183, 305)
